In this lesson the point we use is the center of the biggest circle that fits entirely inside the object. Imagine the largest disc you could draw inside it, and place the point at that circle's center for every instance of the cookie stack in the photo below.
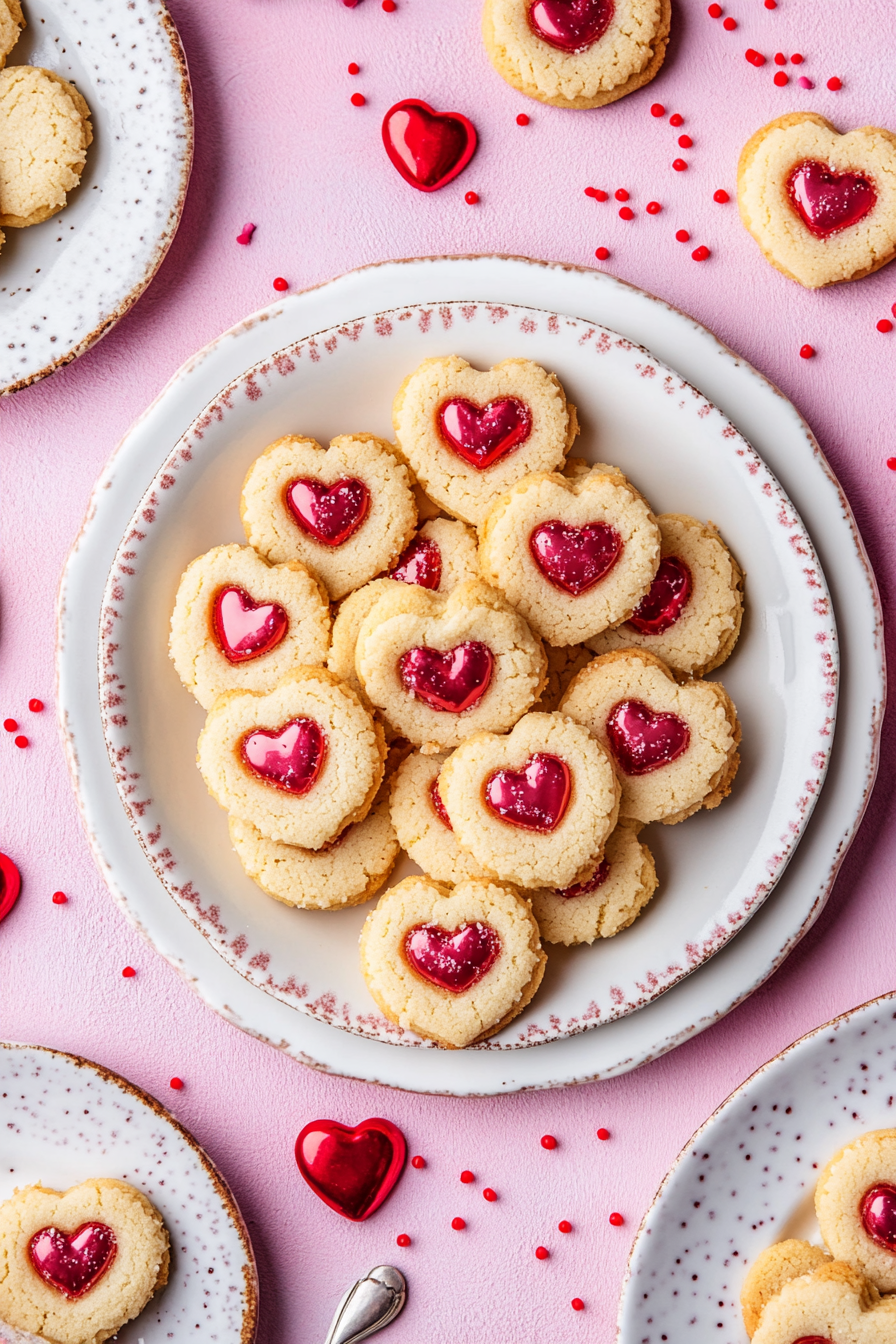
(474, 648)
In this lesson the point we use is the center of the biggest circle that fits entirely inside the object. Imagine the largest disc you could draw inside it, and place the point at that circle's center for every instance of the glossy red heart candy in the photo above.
(454, 960)
(643, 741)
(593, 883)
(330, 514)
(878, 1214)
(428, 148)
(247, 629)
(827, 201)
(352, 1169)
(72, 1262)
(571, 25)
(574, 559)
(10, 885)
(534, 798)
(421, 563)
(666, 599)
(289, 758)
(451, 681)
(481, 435)
(438, 806)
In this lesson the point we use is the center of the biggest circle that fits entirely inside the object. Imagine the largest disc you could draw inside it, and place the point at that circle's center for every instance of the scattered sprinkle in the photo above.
(715, 11)
(577, 1304)
(781, 79)
(685, 141)
(657, 110)
(885, 324)
(354, 68)
(797, 58)
(458, 1224)
(807, 351)
(721, 196)
(358, 100)
(601, 253)
(280, 283)
(541, 1252)
(418, 1163)
(730, 24)
(653, 207)
(522, 119)
(754, 57)
(128, 974)
(626, 212)
(891, 463)
(389, 6)
(467, 1177)
(10, 725)
(683, 236)
(616, 1220)
(489, 1194)
(564, 1226)
(893, 310)
(597, 194)
(679, 165)
(402, 1239)
(472, 198)
(21, 740)
(36, 706)
(548, 1141)
(621, 194)
(834, 83)
(780, 58)
(177, 1084)
(771, 4)
(805, 83)
(676, 119)
(245, 237)
(603, 1134)
(59, 898)
(700, 253)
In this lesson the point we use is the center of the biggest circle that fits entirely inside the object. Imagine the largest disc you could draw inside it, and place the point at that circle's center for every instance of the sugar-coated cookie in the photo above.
(12, 21)
(75, 1265)
(691, 616)
(440, 668)
(242, 624)
(605, 903)
(573, 556)
(422, 823)
(300, 762)
(771, 1270)
(453, 964)
(353, 611)
(855, 1203)
(674, 746)
(833, 1304)
(347, 511)
(535, 806)
(442, 554)
(563, 664)
(469, 435)
(581, 54)
(44, 135)
(821, 206)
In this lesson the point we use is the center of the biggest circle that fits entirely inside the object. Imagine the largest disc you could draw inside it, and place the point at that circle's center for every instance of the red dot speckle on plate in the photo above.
(548, 1141)
(418, 1163)
(10, 725)
(730, 24)
(541, 1252)
(721, 196)
(280, 284)
(354, 68)
(834, 84)
(472, 198)
(780, 58)
(657, 110)
(621, 194)
(885, 324)
(601, 253)
(458, 1224)
(21, 740)
(489, 1194)
(59, 898)
(577, 1304)
(676, 119)
(891, 463)
(522, 119)
(807, 351)
(700, 253)
(358, 100)
(177, 1084)
(603, 1134)
(129, 972)
(682, 236)
(797, 58)
(616, 1220)
(626, 212)
(402, 1239)
(715, 11)
(679, 165)
(36, 706)
(653, 207)
(467, 1177)
(781, 79)
(564, 1226)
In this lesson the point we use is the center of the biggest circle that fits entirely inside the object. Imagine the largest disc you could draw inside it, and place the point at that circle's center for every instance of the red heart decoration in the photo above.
(247, 629)
(451, 681)
(331, 514)
(812, 1339)
(643, 741)
(534, 798)
(428, 148)
(351, 1169)
(878, 1214)
(827, 201)
(596, 880)
(454, 960)
(290, 758)
(483, 434)
(421, 563)
(10, 885)
(571, 25)
(438, 806)
(72, 1262)
(574, 559)
(666, 599)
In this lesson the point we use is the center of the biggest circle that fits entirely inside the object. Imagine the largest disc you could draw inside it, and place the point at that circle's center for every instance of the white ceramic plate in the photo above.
(715, 870)
(65, 1120)
(65, 282)
(784, 441)
(747, 1177)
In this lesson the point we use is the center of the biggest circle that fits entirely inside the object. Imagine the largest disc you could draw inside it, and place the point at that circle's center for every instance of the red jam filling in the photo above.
(571, 25)
(643, 741)
(667, 598)
(574, 559)
(245, 629)
(452, 681)
(534, 798)
(73, 1262)
(454, 960)
(330, 514)
(420, 563)
(827, 201)
(482, 435)
(289, 758)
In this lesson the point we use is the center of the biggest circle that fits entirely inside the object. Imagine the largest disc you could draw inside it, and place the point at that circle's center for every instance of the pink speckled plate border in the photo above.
(630, 405)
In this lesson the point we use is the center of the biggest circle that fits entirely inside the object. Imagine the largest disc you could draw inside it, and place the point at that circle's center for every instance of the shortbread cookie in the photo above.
(44, 135)
(440, 668)
(833, 1304)
(353, 611)
(563, 664)
(821, 206)
(441, 555)
(535, 806)
(855, 1202)
(573, 556)
(674, 746)
(347, 511)
(12, 21)
(454, 965)
(582, 54)
(76, 1265)
(300, 762)
(469, 436)
(771, 1270)
(422, 823)
(242, 624)
(605, 903)
(692, 614)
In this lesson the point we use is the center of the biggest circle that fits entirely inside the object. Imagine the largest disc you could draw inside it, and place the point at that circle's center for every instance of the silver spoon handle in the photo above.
(369, 1305)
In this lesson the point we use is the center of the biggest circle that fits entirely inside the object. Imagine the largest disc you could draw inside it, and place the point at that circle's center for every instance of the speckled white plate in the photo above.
(64, 1120)
(747, 1177)
(65, 282)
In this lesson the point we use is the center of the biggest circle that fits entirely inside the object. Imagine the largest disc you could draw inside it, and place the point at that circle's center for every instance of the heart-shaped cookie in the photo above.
(454, 965)
(422, 823)
(347, 511)
(428, 148)
(821, 206)
(536, 806)
(674, 746)
(469, 436)
(833, 1304)
(440, 668)
(76, 1265)
(353, 1169)
(855, 1202)
(605, 903)
(771, 1270)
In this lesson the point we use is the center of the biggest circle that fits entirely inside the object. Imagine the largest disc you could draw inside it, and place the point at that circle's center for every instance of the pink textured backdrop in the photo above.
(279, 143)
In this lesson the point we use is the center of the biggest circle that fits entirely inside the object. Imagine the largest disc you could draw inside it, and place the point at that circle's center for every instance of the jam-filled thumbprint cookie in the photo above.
(608, 901)
(855, 1203)
(795, 1294)
(422, 823)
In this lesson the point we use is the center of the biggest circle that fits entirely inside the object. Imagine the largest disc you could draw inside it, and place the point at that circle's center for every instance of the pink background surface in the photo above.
(279, 143)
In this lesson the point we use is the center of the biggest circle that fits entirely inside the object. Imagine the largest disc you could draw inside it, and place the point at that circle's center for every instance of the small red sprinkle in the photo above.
(755, 57)
(893, 310)
(354, 68)
(626, 212)
(541, 1252)
(280, 283)
(771, 4)
(548, 1141)
(21, 741)
(715, 11)
(564, 1226)
(683, 236)
(781, 79)
(891, 463)
(807, 351)
(780, 58)
(577, 1304)
(59, 898)
(657, 110)
(389, 6)
(10, 725)
(834, 83)
(721, 196)
(679, 165)
(685, 141)
(522, 119)
(418, 1162)
(467, 1177)
(177, 1084)
(603, 1133)
(489, 1194)
(797, 58)
(128, 972)
(35, 706)
(653, 207)
(596, 193)
(805, 83)
(730, 24)
(616, 1220)
(358, 100)
(472, 198)
(621, 194)
(676, 119)
(402, 1239)
(458, 1224)
(601, 253)
(700, 253)
(885, 324)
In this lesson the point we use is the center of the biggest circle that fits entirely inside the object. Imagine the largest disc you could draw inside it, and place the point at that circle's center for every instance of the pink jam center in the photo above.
(667, 598)
(72, 1262)
(827, 201)
(593, 883)
(534, 798)
(426, 146)
(452, 960)
(245, 629)
(643, 741)
(421, 563)
(438, 806)
(329, 514)
(451, 681)
(574, 559)
(481, 435)
(878, 1213)
(570, 25)
(289, 758)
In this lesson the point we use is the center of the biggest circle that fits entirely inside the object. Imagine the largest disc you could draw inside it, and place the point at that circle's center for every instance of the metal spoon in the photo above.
(369, 1304)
